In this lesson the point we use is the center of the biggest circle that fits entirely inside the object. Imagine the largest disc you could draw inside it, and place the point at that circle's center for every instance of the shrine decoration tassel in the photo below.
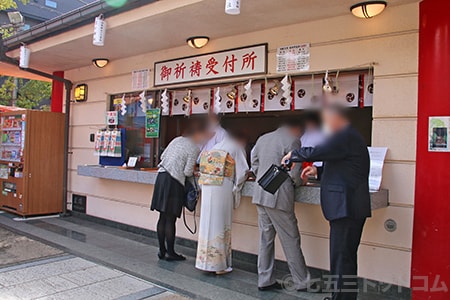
(286, 87)
(164, 102)
(143, 102)
(248, 89)
(217, 101)
(123, 106)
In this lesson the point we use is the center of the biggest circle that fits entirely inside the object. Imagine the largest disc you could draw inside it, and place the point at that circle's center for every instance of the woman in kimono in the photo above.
(220, 194)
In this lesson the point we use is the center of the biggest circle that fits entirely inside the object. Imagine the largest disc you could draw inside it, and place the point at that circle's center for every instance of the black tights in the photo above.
(166, 233)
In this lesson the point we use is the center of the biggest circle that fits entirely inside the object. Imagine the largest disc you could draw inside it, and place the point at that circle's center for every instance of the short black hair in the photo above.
(338, 109)
(312, 117)
(293, 122)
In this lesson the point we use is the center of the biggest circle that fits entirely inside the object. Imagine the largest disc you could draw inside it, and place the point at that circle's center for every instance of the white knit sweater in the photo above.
(179, 158)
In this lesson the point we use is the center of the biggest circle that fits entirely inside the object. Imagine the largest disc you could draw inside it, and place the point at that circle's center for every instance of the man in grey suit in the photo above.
(276, 212)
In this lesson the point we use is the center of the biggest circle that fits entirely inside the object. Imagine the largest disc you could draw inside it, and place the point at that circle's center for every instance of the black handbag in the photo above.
(190, 202)
(192, 195)
(274, 177)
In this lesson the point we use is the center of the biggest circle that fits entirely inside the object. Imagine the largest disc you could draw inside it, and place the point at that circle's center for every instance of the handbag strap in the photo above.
(185, 223)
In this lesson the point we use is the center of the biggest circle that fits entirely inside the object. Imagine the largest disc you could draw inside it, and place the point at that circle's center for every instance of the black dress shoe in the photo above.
(275, 286)
(161, 255)
(175, 257)
(313, 288)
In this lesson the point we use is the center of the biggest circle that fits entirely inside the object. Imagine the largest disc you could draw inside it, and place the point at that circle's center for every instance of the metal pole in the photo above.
(68, 86)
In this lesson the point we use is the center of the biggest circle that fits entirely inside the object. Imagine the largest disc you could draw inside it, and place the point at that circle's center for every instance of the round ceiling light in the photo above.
(368, 9)
(197, 42)
(100, 62)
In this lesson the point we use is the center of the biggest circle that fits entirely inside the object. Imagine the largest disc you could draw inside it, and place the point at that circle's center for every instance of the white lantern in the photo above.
(24, 59)
(99, 31)
(233, 7)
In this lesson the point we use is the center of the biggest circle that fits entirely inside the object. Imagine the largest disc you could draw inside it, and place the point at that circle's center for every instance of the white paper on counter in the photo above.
(377, 156)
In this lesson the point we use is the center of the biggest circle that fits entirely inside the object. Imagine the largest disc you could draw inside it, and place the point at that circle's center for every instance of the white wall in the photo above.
(389, 40)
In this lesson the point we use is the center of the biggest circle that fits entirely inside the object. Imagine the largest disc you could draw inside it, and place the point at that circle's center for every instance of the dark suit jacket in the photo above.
(345, 175)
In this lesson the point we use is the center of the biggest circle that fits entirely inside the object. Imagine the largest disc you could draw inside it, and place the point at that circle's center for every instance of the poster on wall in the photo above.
(377, 156)
(251, 60)
(140, 79)
(294, 58)
(112, 118)
(438, 131)
(152, 121)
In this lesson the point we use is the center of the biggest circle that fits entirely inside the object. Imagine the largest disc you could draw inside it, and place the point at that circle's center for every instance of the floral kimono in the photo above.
(221, 189)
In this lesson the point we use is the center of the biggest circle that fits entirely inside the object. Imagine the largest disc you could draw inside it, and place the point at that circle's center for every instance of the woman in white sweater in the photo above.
(177, 164)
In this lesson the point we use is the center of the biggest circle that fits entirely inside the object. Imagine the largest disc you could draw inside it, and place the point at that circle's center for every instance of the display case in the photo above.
(31, 162)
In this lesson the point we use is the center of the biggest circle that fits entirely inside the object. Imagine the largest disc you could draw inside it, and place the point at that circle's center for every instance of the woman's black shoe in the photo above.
(161, 255)
(175, 257)
(275, 286)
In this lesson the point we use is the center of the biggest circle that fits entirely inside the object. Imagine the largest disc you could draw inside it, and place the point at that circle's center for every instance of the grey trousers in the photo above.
(272, 221)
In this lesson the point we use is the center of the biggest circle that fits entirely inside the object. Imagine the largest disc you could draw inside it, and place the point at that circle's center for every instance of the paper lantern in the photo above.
(99, 31)
(24, 59)
(233, 7)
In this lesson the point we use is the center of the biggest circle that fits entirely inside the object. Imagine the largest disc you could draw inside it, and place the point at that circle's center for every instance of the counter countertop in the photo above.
(304, 194)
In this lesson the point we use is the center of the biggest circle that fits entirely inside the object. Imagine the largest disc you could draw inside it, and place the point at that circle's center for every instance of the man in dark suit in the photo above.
(344, 194)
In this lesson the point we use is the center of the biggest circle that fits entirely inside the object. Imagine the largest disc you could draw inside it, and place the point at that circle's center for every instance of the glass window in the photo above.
(136, 144)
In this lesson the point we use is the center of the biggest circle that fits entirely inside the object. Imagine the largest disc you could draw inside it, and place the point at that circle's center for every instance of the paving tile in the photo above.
(43, 271)
(37, 288)
(91, 275)
(108, 289)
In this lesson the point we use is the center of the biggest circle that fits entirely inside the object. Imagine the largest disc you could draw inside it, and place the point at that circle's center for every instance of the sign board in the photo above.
(152, 120)
(112, 118)
(377, 156)
(438, 134)
(244, 61)
(293, 58)
(140, 79)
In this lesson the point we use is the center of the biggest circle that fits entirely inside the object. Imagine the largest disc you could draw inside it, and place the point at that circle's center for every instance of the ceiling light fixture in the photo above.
(100, 62)
(368, 9)
(197, 42)
(233, 7)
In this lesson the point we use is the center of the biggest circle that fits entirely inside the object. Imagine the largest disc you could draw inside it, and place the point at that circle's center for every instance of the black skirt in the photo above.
(168, 195)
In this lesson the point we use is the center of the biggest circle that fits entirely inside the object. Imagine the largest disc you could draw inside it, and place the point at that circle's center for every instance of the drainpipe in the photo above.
(68, 85)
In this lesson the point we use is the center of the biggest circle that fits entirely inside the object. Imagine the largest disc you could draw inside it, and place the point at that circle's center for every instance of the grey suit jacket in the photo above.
(270, 149)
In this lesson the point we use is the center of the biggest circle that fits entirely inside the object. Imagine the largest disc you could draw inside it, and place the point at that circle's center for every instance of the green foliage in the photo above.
(32, 93)
(7, 4)
(29, 93)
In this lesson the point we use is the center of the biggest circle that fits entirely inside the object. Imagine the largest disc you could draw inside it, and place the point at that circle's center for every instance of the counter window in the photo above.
(133, 121)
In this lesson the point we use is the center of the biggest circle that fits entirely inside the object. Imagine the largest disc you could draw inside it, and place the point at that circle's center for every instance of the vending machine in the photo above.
(31, 162)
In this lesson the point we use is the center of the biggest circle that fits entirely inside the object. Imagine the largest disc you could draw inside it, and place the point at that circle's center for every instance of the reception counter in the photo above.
(303, 194)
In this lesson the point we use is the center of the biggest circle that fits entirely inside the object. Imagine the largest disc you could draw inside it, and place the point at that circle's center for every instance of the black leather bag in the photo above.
(274, 177)
(192, 195)
(190, 202)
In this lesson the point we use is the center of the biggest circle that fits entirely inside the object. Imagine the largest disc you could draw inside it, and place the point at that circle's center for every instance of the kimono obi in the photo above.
(215, 165)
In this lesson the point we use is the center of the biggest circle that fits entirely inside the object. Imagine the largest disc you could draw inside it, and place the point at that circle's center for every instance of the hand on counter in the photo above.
(310, 171)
